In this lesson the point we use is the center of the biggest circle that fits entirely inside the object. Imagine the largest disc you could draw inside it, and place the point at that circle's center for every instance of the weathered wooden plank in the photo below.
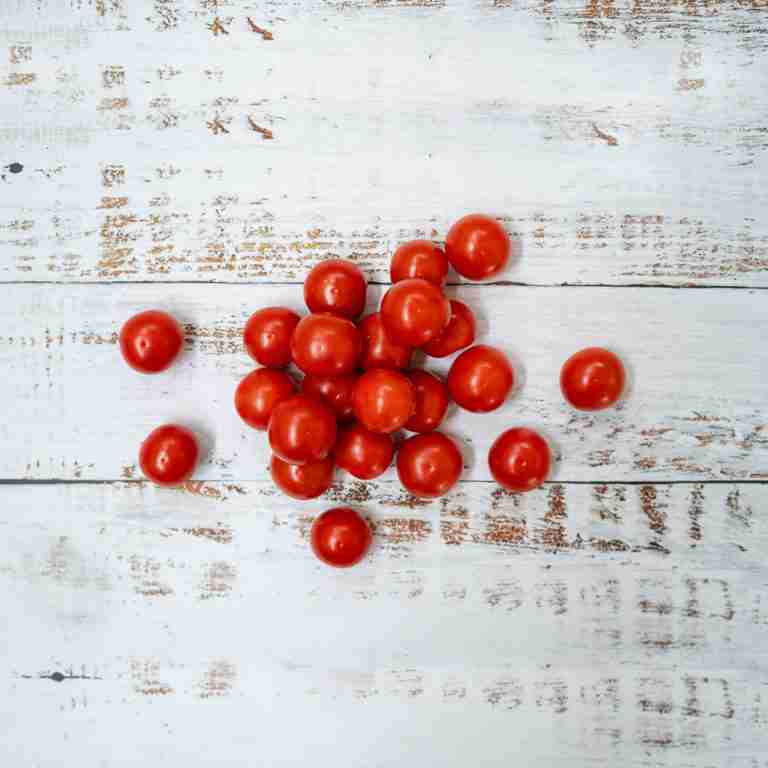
(695, 410)
(354, 128)
(124, 599)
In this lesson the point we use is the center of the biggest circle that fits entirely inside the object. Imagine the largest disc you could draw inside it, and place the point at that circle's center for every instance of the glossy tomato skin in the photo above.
(340, 537)
(414, 312)
(362, 453)
(267, 336)
(432, 400)
(326, 345)
(259, 392)
(302, 429)
(422, 259)
(302, 481)
(383, 400)
(151, 341)
(519, 459)
(380, 350)
(336, 286)
(336, 390)
(168, 455)
(477, 247)
(458, 334)
(480, 379)
(592, 379)
(429, 465)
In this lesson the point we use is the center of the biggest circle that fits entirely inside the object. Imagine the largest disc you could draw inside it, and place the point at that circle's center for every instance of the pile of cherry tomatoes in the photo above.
(359, 390)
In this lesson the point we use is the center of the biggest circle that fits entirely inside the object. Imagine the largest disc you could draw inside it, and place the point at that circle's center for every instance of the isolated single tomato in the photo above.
(363, 453)
(459, 333)
(429, 465)
(519, 459)
(340, 537)
(383, 400)
(477, 247)
(168, 455)
(414, 312)
(431, 401)
(419, 258)
(336, 286)
(302, 429)
(150, 341)
(592, 379)
(326, 345)
(379, 349)
(267, 336)
(302, 481)
(480, 379)
(259, 392)
(337, 390)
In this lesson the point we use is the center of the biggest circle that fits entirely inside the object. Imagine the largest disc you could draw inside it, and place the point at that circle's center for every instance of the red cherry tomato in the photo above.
(336, 286)
(363, 453)
(519, 459)
(326, 345)
(379, 349)
(592, 379)
(267, 336)
(419, 258)
(336, 390)
(259, 392)
(302, 481)
(429, 465)
(414, 312)
(431, 402)
(340, 537)
(150, 341)
(480, 379)
(302, 429)
(383, 400)
(459, 333)
(477, 247)
(168, 455)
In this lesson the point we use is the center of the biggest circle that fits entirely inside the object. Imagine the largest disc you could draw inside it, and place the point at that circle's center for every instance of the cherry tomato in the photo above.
(431, 402)
(150, 341)
(592, 379)
(340, 537)
(326, 345)
(419, 258)
(383, 400)
(414, 312)
(379, 349)
(429, 465)
(519, 459)
(259, 392)
(267, 336)
(477, 247)
(168, 455)
(302, 429)
(302, 481)
(336, 286)
(337, 390)
(363, 453)
(480, 379)
(459, 333)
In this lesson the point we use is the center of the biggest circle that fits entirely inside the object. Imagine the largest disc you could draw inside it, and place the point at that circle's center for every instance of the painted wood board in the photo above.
(696, 409)
(621, 143)
(466, 621)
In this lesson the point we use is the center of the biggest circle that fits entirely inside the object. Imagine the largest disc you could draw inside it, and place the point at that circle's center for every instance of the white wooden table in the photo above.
(200, 156)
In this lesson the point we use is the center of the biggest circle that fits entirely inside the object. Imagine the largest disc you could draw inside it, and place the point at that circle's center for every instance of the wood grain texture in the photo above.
(696, 409)
(616, 616)
(621, 142)
(590, 653)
